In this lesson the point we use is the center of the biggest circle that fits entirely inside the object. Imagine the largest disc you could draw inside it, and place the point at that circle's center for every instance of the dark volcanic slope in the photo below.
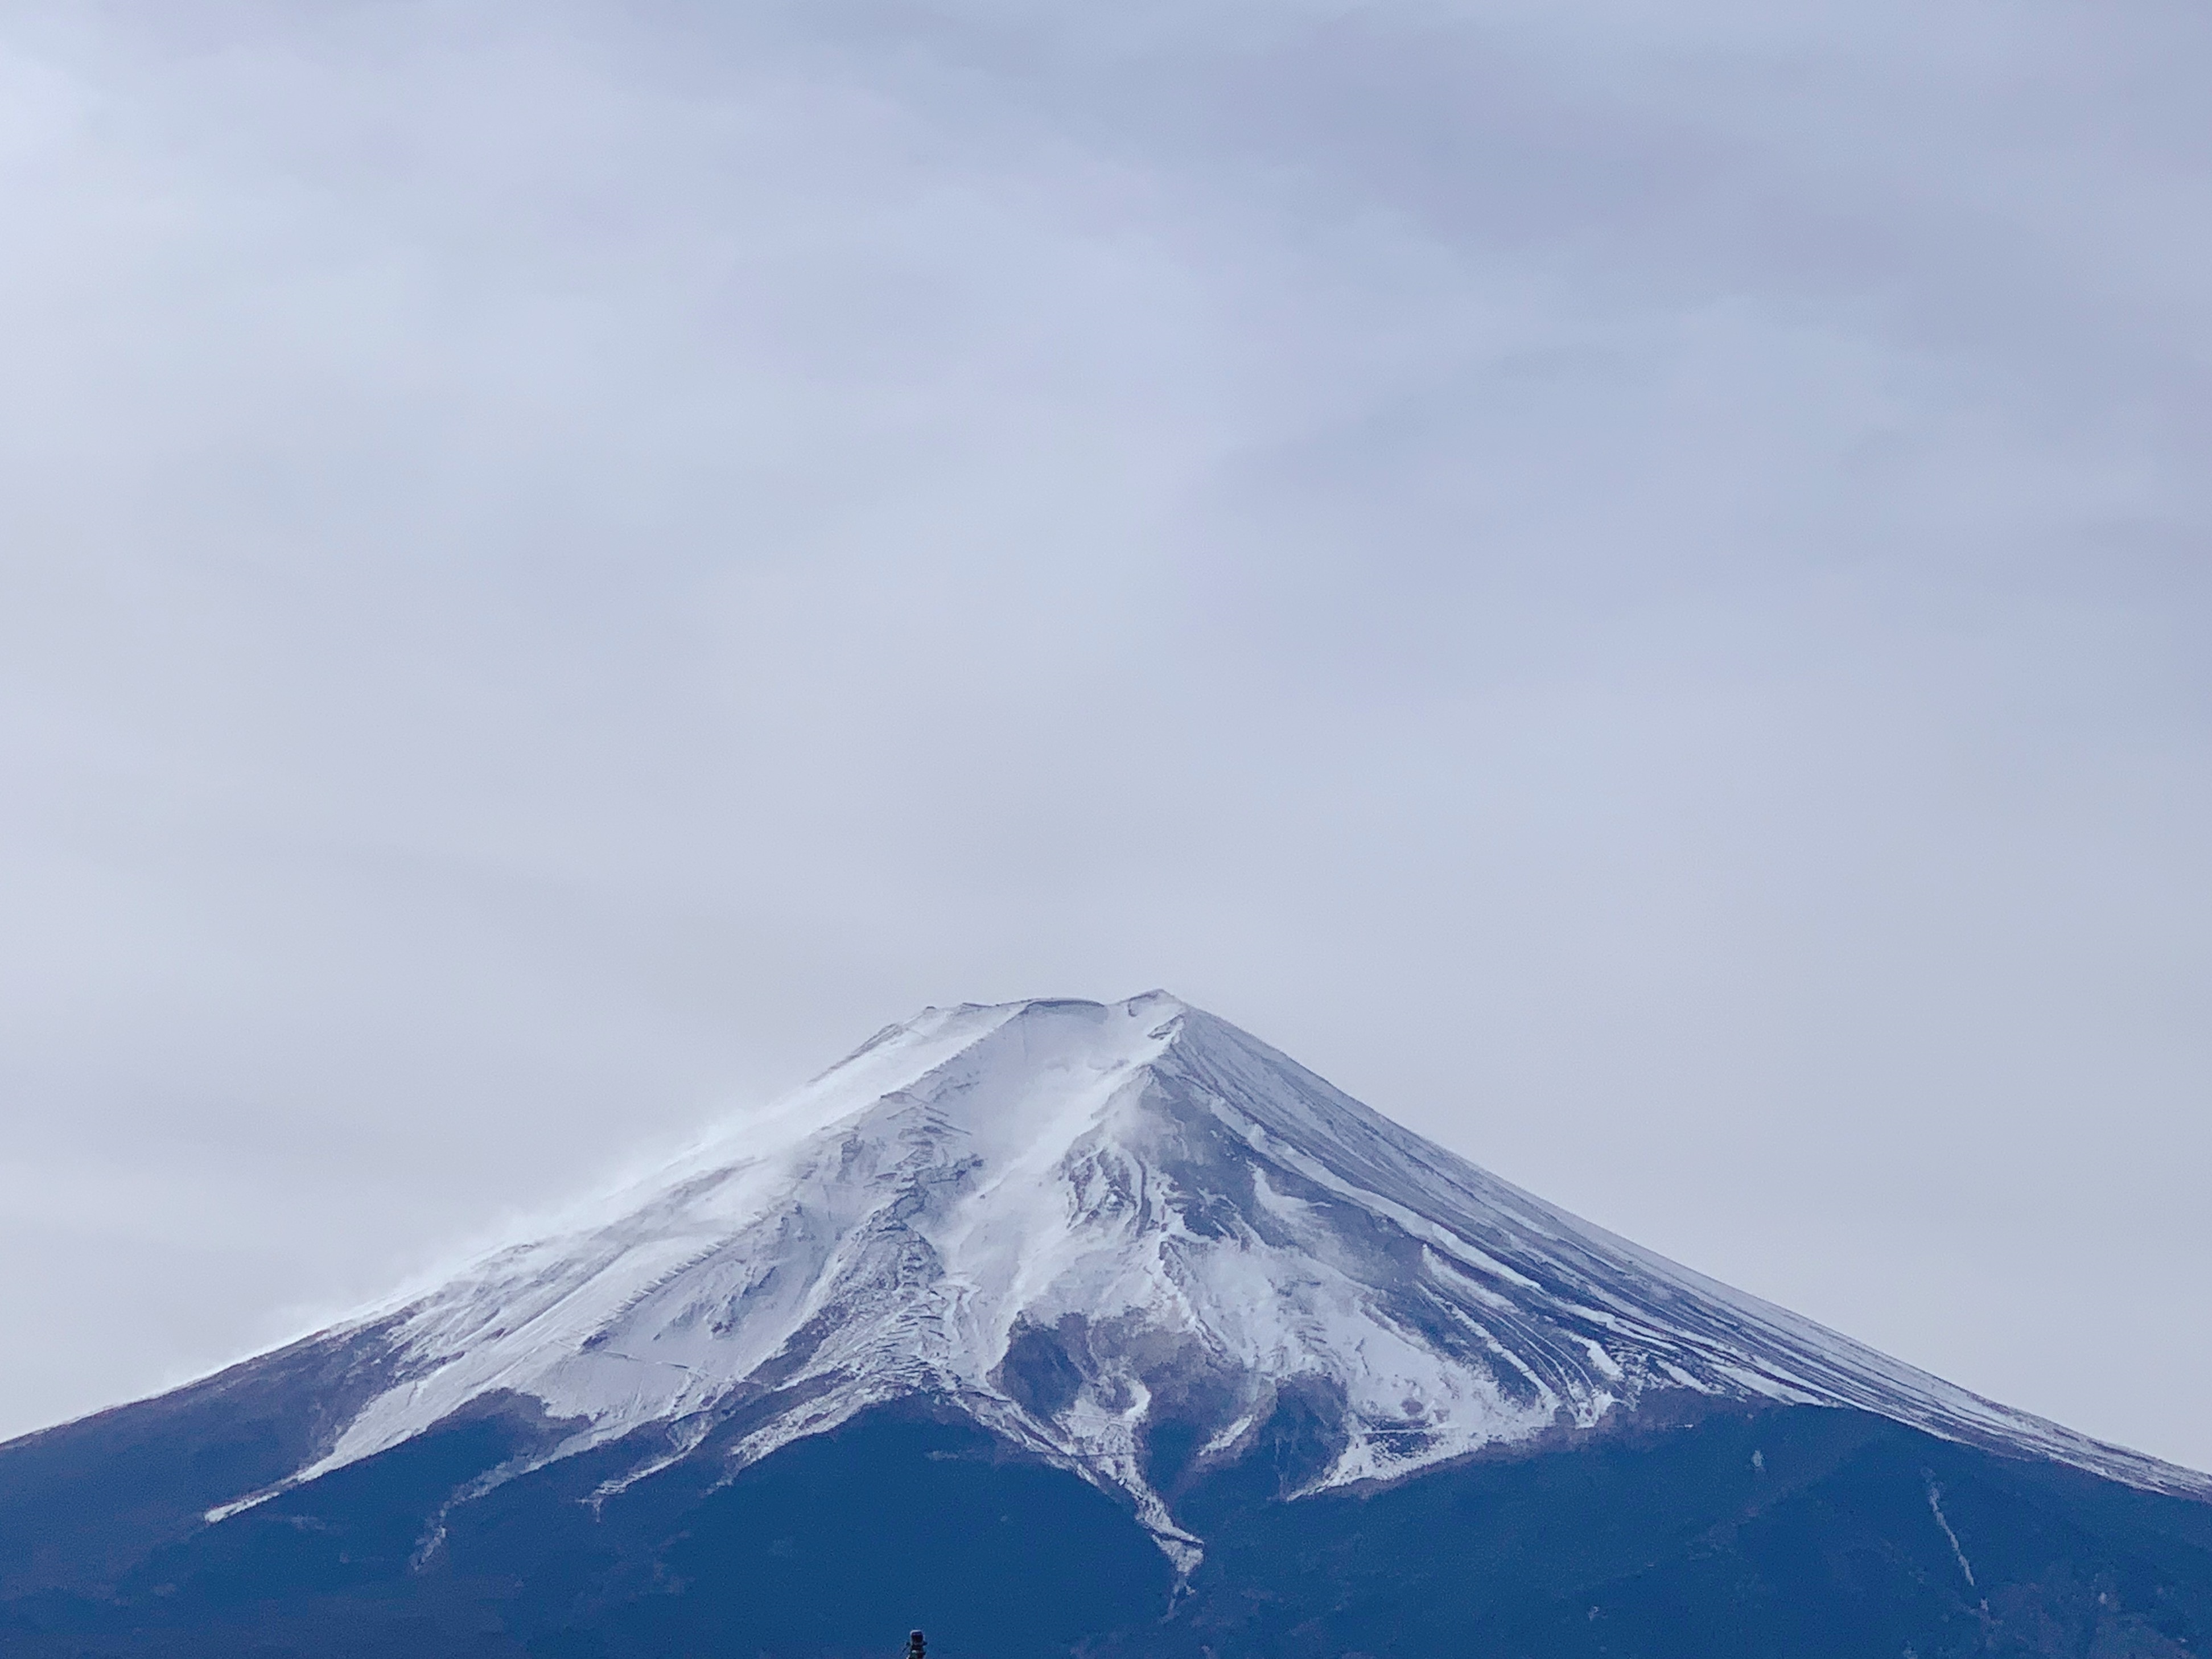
(1754, 1532)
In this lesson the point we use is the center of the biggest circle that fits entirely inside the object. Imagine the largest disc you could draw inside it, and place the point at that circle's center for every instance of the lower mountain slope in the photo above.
(1744, 1532)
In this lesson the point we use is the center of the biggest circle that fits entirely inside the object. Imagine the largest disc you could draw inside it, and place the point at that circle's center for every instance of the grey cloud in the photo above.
(1627, 582)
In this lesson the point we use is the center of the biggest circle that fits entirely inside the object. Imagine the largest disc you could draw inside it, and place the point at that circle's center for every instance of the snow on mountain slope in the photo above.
(1083, 1221)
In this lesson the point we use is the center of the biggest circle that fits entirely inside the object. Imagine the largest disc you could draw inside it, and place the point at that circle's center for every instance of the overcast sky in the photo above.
(1628, 581)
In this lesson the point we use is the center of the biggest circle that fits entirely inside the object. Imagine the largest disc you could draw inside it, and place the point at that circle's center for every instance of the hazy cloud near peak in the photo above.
(1630, 583)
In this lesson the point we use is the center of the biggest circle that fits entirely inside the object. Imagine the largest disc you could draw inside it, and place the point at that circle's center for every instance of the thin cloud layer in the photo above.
(1628, 583)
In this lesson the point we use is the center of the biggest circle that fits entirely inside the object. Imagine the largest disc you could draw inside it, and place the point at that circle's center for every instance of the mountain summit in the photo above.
(1097, 1278)
(1084, 1223)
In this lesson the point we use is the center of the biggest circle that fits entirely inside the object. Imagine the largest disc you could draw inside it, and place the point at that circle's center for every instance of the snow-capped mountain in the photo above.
(1081, 1332)
(1083, 1223)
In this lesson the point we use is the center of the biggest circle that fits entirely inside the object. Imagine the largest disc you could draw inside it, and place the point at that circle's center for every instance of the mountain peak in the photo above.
(1079, 1223)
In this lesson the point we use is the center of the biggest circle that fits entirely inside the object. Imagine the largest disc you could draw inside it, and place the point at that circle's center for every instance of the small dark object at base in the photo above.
(916, 1645)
